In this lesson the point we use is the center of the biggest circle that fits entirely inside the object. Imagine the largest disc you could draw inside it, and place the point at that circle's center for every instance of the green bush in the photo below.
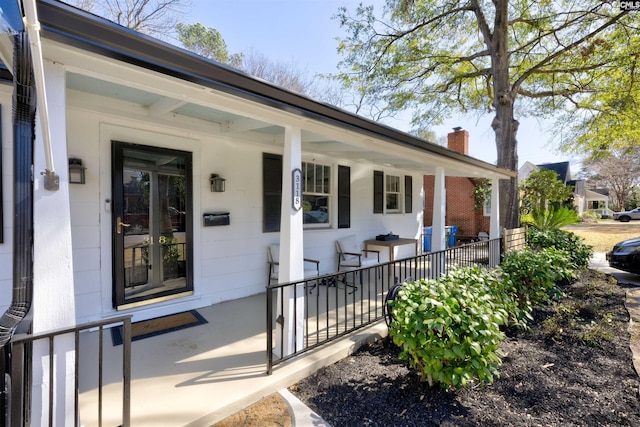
(550, 218)
(449, 329)
(507, 293)
(535, 274)
(591, 216)
(579, 252)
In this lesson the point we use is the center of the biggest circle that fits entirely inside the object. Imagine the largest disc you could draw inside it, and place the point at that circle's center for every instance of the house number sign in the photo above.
(296, 189)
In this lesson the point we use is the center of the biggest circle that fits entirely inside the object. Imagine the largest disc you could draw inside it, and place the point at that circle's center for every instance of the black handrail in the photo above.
(20, 367)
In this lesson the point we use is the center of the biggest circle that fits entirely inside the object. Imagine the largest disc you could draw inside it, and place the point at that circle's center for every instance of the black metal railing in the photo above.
(339, 303)
(55, 359)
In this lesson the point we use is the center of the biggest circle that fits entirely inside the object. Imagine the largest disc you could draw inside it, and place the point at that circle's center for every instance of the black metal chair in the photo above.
(311, 269)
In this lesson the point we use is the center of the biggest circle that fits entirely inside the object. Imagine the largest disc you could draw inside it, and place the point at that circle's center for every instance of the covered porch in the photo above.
(201, 375)
(128, 106)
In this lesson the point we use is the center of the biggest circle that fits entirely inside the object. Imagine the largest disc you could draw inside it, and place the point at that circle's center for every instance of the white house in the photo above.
(583, 198)
(152, 229)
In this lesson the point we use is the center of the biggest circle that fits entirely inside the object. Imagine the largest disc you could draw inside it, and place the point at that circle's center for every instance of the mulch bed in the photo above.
(572, 368)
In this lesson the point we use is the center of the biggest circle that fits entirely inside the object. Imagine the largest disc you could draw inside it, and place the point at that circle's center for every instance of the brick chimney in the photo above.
(458, 140)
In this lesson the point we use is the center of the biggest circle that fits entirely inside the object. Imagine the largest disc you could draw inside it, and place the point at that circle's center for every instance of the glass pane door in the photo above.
(152, 229)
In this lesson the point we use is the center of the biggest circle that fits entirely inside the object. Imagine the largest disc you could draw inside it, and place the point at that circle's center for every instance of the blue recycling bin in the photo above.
(451, 235)
(426, 237)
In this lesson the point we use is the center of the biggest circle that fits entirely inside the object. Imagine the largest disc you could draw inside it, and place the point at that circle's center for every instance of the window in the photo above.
(392, 193)
(388, 193)
(316, 193)
(487, 207)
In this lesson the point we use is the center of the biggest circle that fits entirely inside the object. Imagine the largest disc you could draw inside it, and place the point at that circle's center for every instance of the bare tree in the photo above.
(88, 5)
(619, 172)
(286, 75)
(157, 18)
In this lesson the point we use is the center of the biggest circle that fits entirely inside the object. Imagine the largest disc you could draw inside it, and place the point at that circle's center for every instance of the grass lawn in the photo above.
(606, 233)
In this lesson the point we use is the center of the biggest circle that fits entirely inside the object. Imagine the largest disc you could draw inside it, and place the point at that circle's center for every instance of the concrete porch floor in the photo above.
(200, 375)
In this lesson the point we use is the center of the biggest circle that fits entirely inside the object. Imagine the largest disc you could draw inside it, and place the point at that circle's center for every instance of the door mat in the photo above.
(159, 325)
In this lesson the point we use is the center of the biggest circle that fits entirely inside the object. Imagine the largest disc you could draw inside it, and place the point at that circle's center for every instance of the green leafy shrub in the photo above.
(591, 216)
(449, 329)
(550, 218)
(535, 274)
(507, 293)
(579, 252)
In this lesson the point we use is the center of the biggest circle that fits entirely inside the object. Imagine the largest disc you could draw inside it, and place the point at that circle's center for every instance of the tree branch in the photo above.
(548, 59)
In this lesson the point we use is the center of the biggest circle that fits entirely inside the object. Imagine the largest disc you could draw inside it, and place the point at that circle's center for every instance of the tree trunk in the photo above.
(506, 128)
(504, 124)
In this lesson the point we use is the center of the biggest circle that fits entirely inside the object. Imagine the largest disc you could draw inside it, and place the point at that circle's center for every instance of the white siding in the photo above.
(229, 261)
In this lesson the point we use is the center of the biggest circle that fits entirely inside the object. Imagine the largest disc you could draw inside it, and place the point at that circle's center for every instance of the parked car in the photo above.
(625, 256)
(627, 215)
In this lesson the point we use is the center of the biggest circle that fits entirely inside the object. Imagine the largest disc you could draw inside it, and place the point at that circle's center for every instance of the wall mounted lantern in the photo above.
(76, 171)
(217, 183)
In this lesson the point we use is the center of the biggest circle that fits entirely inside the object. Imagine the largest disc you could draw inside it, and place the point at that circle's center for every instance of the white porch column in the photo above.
(53, 288)
(438, 236)
(291, 244)
(494, 219)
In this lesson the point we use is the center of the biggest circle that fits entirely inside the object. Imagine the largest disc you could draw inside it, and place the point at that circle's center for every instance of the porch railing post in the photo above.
(269, 331)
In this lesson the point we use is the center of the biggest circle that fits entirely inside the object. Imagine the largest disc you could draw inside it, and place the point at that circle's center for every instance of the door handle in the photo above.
(120, 224)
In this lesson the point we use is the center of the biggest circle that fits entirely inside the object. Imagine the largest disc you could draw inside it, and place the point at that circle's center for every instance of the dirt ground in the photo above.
(272, 411)
(573, 368)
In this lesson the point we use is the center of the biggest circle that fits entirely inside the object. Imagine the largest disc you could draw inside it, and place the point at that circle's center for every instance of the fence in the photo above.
(514, 239)
(305, 314)
(53, 361)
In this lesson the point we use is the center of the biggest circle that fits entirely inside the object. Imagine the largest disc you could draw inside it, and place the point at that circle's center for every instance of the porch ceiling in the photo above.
(334, 143)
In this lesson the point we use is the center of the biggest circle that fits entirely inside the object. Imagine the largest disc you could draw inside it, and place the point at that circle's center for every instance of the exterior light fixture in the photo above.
(76, 171)
(217, 183)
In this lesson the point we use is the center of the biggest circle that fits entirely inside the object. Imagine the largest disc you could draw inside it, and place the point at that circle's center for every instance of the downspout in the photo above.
(32, 27)
(29, 89)
(24, 115)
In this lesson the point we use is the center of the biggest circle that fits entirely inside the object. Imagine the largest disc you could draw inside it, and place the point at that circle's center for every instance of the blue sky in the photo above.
(303, 32)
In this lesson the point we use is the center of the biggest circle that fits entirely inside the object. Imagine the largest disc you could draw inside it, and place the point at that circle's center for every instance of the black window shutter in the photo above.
(378, 192)
(272, 191)
(344, 197)
(408, 194)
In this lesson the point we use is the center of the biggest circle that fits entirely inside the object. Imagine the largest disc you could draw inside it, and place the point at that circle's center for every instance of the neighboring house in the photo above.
(168, 160)
(562, 169)
(460, 210)
(595, 199)
(583, 198)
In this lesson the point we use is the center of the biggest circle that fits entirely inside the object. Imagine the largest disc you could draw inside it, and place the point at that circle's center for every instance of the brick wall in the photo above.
(459, 191)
